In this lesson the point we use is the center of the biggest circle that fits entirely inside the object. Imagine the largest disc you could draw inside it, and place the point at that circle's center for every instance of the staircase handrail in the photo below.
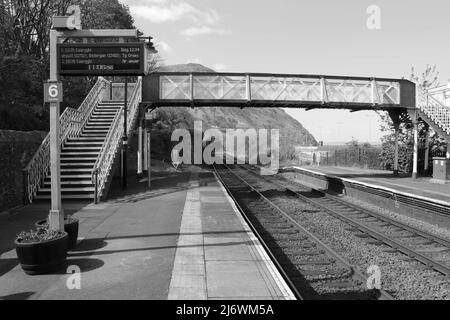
(105, 158)
(435, 110)
(71, 123)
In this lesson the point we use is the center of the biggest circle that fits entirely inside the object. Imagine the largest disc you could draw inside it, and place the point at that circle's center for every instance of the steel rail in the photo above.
(332, 252)
(440, 267)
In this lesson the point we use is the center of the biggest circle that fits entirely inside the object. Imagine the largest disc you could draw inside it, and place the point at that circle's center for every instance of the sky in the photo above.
(326, 37)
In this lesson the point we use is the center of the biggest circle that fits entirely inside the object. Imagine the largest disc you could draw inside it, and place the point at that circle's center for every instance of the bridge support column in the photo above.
(145, 151)
(427, 149)
(416, 146)
(395, 117)
(397, 129)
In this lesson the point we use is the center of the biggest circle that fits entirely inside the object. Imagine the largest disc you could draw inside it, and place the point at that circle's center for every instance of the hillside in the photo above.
(292, 133)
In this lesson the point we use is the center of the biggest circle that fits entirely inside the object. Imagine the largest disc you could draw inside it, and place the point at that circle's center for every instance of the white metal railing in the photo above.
(71, 124)
(260, 87)
(105, 159)
(434, 110)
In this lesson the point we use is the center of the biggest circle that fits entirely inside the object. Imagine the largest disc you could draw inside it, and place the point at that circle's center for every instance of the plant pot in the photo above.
(42, 257)
(70, 226)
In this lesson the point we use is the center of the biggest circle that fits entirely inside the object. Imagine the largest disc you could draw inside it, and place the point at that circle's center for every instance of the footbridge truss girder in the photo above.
(277, 90)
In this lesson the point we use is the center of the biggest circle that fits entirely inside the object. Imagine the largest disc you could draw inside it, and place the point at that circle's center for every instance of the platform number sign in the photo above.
(53, 92)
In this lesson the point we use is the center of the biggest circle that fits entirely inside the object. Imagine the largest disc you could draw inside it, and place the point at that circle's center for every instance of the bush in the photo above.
(39, 235)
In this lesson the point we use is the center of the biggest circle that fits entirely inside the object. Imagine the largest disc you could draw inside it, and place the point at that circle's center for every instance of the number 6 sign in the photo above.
(53, 92)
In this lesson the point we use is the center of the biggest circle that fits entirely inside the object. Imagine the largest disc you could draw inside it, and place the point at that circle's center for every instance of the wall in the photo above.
(16, 150)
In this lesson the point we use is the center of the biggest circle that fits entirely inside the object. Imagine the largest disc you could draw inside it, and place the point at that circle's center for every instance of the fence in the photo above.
(348, 157)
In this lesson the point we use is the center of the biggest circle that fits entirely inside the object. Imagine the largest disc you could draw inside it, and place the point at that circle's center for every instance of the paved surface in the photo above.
(180, 240)
(218, 257)
(422, 187)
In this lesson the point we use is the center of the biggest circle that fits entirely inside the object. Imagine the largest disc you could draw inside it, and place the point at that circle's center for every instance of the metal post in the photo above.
(125, 137)
(139, 151)
(396, 127)
(335, 158)
(248, 88)
(327, 159)
(56, 214)
(416, 146)
(145, 164)
(427, 150)
(149, 167)
(96, 186)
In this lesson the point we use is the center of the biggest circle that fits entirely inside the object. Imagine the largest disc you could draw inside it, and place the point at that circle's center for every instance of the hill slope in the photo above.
(292, 133)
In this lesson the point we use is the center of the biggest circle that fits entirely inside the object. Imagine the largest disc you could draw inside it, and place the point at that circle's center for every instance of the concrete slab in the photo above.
(228, 279)
(228, 263)
(127, 251)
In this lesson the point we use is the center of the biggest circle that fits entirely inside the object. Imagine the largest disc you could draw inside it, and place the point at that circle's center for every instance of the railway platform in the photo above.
(182, 239)
(420, 198)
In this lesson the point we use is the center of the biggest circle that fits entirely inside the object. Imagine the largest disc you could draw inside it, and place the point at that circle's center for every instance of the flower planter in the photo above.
(70, 226)
(42, 257)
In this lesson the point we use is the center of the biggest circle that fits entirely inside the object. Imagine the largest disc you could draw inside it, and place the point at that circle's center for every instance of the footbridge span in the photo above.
(277, 90)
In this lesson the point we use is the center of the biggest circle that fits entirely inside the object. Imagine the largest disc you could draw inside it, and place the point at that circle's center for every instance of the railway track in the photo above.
(312, 268)
(429, 249)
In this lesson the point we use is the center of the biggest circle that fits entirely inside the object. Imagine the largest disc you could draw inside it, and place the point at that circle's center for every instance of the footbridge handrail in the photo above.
(71, 123)
(257, 89)
(105, 158)
(434, 109)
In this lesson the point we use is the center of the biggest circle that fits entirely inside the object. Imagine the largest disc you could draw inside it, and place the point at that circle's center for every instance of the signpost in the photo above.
(83, 59)
(53, 91)
(101, 59)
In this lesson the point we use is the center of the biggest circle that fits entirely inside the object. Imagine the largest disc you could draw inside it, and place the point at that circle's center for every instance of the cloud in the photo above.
(204, 21)
(164, 46)
(163, 13)
(202, 30)
(196, 60)
(219, 67)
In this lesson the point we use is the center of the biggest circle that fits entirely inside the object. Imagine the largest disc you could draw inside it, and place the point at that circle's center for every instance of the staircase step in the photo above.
(95, 135)
(83, 143)
(75, 176)
(66, 196)
(67, 159)
(77, 164)
(70, 183)
(79, 189)
(70, 149)
(93, 130)
(96, 127)
(97, 122)
(100, 139)
(85, 170)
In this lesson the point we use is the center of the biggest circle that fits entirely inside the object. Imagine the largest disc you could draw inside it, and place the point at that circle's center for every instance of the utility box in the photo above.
(441, 169)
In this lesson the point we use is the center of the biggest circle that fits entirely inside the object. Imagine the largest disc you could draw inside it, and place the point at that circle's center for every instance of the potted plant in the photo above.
(41, 251)
(70, 226)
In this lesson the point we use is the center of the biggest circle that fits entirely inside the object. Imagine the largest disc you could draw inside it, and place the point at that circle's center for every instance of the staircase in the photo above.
(434, 113)
(91, 138)
(79, 154)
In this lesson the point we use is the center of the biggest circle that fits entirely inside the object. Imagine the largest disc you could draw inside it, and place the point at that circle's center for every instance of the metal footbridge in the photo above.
(277, 90)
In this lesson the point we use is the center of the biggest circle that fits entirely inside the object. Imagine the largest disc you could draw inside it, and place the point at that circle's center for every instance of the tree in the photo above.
(24, 56)
(429, 78)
